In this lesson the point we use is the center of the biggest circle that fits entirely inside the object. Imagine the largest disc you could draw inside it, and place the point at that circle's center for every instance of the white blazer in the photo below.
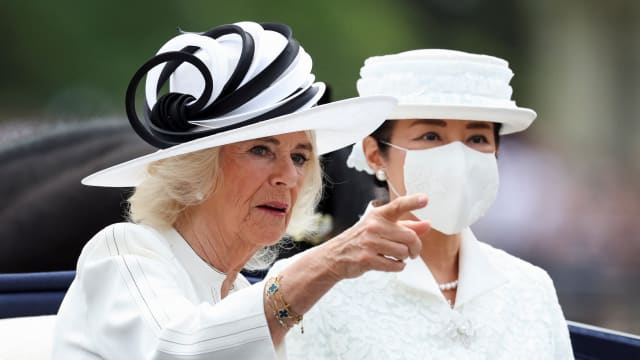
(144, 294)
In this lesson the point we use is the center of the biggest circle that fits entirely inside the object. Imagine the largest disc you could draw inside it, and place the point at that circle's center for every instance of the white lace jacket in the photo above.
(505, 308)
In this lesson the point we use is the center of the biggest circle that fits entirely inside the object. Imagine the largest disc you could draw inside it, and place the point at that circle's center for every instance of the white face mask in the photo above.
(461, 184)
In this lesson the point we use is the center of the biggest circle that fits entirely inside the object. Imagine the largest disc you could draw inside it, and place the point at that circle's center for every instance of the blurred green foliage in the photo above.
(75, 58)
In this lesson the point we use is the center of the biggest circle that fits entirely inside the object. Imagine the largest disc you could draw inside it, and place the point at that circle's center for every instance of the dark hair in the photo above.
(383, 134)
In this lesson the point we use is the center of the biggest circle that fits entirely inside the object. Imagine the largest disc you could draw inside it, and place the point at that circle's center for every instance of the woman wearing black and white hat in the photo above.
(238, 168)
(461, 299)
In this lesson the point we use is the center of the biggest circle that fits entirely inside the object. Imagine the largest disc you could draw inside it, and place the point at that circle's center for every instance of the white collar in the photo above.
(190, 260)
(476, 274)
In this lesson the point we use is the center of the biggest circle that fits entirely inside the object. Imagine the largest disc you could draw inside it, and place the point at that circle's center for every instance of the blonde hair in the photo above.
(172, 185)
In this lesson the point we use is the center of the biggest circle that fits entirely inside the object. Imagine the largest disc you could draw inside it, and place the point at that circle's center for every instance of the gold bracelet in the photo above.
(281, 309)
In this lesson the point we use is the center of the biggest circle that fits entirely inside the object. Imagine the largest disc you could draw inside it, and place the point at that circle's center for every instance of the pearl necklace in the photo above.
(448, 286)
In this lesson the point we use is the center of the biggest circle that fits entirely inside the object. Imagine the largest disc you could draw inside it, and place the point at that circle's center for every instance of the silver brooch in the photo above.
(461, 330)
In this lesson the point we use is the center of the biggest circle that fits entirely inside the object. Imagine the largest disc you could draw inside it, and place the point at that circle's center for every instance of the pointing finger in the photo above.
(395, 209)
(419, 227)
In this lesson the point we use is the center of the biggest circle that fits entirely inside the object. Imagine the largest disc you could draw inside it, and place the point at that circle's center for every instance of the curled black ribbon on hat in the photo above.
(168, 123)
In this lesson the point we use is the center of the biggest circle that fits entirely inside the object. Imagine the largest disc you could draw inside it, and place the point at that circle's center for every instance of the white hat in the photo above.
(234, 83)
(443, 84)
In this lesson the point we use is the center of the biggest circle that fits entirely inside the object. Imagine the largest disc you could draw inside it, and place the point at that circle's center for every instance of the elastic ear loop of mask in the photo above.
(388, 181)
(392, 188)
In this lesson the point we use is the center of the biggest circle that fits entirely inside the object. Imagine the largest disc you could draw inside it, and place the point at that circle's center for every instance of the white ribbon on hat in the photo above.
(220, 56)
(236, 116)
(199, 68)
(212, 54)
(256, 31)
(297, 74)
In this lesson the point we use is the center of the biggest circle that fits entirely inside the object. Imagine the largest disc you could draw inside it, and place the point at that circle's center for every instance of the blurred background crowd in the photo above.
(570, 196)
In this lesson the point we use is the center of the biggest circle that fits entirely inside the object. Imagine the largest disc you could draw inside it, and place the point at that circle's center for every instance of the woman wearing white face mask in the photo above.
(461, 299)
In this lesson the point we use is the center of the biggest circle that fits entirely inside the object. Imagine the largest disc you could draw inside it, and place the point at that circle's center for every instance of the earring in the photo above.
(381, 175)
(199, 196)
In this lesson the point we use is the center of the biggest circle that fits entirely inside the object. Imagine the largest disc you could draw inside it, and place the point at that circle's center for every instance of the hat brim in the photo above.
(512, 119)
(336, 125)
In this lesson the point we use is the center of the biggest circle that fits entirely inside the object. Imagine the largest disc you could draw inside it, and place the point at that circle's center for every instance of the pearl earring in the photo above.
(381, 175)
(199, 196)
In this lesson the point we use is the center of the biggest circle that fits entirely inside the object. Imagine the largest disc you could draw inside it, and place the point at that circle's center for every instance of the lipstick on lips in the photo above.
(275, 207)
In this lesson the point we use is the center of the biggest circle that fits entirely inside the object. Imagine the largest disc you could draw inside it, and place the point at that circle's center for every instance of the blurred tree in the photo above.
(74, 59)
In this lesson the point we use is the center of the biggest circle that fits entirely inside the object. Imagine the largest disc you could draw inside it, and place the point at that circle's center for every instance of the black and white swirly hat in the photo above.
(233, 83)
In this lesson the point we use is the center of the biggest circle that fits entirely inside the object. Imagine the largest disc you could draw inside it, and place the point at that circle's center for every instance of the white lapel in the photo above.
(416, 275)
(476, 274)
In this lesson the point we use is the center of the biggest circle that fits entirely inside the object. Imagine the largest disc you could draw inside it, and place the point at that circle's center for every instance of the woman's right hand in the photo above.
(379, 241)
